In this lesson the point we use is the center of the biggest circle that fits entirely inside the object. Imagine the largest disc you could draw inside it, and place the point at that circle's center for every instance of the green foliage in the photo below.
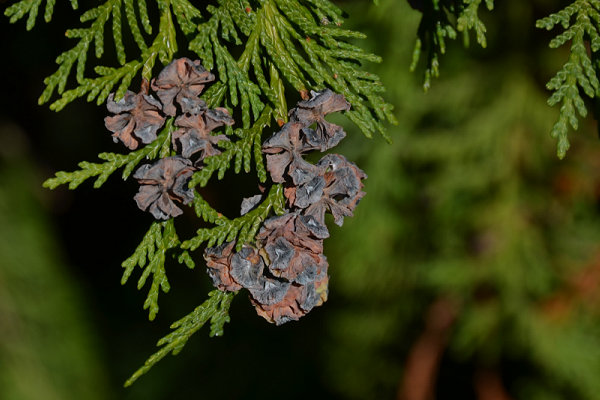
(257, 49)
(49, 344)
(215, 309)
(581, 23)
(442, 20)
(249, 143)
(150, 255)
(162, 238)
(307, 52)
(243, 228)
(580, 20)
(164, 45)
(472, 208)
(158, 148)
(288, 40)
(31, 9)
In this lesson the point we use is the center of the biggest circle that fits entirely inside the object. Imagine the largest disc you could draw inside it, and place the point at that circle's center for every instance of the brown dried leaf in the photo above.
(277, 165)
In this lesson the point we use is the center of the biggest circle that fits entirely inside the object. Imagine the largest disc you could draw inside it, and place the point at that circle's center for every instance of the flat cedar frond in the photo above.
(158, 148)
(243, 228)
(581, 24)
(285, 42)
(31, 9)
(278, 44)
(326, 11)
(250, 143)
(441, 21)
(204, 210)
(78, 54)
(163, 47)
(215, 309)
(150, 256)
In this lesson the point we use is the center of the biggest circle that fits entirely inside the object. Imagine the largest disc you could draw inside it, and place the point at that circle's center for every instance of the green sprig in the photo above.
(215, 309)
(163, 47)
(442, 21)
(31, 9)
(284, 38)
(242, 150)
(78, 54)
(581, 24)
(243, 229)
(150, 256)
(159, 147)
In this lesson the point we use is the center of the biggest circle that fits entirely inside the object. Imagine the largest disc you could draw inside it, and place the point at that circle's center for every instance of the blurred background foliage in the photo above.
(470, 270)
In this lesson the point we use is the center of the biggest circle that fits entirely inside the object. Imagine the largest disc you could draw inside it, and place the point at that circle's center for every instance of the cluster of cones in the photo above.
(138, 117)
(286, 273)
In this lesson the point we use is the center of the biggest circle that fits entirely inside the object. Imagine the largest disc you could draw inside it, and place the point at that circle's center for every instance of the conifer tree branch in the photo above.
(288, 40)
(242, 150)
(31, 8)
(442, 21)
(282, 43)
(243, 229)
(203, 210)
(150, 256)
(158, 148)
(215, 309)
(284, 38)
(163, 47)
(581, 24)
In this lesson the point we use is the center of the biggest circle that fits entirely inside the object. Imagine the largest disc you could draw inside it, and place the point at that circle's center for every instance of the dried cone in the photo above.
(342, 189)
(313, 111)
(218, 267)
(284, 154)
(182, 80)
(298, 301)
(138, 118)
(287, 274)
(162, 184)
(194, 135)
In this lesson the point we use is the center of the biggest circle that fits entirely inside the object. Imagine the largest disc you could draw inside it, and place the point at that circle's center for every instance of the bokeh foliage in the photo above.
(472, 269)
(47, 347)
